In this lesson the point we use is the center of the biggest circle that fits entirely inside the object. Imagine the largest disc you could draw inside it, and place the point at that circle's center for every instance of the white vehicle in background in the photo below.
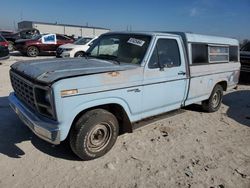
(76, 49)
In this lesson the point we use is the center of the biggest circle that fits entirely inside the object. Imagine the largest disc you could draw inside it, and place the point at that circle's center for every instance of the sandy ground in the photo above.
(187, 148)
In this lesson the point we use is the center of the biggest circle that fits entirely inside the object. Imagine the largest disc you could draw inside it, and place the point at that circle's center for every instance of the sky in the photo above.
(230, 18)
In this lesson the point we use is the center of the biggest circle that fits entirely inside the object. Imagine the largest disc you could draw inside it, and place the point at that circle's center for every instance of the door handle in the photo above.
(181, 73)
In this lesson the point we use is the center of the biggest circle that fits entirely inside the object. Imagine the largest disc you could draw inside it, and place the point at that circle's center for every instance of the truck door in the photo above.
(165, 77)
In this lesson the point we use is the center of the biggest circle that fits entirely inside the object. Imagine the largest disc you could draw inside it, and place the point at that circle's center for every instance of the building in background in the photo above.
(66, 29)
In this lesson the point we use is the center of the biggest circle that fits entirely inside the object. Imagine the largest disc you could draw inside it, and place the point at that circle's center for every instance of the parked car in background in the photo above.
(4, 52)
(3, 41)
(6, 32)
(76, 49)
(23, 34)
(33, 47)
(245, 58)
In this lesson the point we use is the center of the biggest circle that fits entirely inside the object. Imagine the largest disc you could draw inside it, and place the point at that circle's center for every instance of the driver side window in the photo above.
(165, 54)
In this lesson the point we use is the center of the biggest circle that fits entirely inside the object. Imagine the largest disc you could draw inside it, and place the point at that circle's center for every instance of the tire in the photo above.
(94, 134)
(214, 102)
(11, 46)
(32, 51)
(79, 54)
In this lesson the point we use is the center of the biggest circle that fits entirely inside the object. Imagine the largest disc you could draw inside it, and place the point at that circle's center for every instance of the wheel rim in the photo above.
(32, 51)
(79, 55)
(10, 47)
(216, 99)
(99, 137)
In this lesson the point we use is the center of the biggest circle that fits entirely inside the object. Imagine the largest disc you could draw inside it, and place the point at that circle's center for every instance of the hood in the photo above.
(50, 70)
(69, 45)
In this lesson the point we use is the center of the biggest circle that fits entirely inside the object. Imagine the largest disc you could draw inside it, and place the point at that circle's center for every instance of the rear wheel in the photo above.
(214, 102)
(94, 134)
(32, 51)
(79, 54)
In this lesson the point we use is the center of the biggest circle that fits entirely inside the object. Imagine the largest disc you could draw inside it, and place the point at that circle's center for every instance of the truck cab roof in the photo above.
(187, 37)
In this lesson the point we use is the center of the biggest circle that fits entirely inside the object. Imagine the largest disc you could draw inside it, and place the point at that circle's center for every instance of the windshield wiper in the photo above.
(109, 57)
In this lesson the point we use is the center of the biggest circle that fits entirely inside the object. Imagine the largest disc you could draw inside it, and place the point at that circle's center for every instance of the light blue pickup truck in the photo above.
(123, 78)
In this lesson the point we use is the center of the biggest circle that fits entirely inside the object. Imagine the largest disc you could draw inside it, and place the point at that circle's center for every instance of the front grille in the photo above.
(23, 89)
(59, 51)
(245, 67)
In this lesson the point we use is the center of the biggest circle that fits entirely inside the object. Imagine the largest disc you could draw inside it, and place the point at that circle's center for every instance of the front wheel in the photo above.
(94, 134)
(79, 54)
(214, 102)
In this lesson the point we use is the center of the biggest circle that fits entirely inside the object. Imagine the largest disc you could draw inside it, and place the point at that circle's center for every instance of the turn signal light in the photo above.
(65, 93)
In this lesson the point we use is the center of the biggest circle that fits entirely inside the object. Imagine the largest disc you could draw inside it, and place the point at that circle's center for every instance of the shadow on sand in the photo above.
(18, 54)
(238, 103)
(239, 106)
(13, 132)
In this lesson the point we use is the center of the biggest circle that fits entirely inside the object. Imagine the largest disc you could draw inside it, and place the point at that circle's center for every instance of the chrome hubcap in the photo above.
(33, 51)
(99, 137)
(216, 99)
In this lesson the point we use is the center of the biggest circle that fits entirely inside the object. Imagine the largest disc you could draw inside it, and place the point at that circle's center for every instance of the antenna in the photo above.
(14, 24)
(21, 15)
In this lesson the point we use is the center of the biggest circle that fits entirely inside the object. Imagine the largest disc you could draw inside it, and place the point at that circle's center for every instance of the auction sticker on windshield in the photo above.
(136, 42)
(49, 39)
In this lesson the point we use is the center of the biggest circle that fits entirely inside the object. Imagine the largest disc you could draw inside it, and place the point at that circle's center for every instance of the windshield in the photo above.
(2, 39)
(126, 48)
(36, 37)
(82, 41)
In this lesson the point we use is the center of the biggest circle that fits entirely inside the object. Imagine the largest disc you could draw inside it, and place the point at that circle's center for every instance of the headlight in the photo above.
(43, 96)
(44, 102)
(47, 97)
(67, 49)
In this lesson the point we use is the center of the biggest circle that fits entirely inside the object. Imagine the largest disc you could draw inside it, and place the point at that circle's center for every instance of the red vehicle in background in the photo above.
(3, 42)
(33, 47)
(4, 52)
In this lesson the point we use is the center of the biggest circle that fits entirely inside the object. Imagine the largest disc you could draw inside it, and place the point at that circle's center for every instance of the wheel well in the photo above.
(223, 85)
(78, 52)
(117, 110)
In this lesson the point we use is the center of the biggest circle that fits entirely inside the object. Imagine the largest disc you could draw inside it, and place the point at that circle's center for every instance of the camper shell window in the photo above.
(234, 53)
(205, 54)
(218, 54)
(199, 53)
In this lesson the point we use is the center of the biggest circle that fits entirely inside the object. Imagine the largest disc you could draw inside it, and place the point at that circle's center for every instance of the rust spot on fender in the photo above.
(114, 74)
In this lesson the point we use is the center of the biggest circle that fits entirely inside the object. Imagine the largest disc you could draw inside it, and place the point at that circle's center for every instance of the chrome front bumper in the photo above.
(44, 128)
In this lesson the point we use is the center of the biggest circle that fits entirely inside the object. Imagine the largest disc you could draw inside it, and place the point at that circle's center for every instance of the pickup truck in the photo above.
(124, 77)
(245, 59)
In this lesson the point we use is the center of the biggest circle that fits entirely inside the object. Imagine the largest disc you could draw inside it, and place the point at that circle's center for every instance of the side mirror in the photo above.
(169, 65)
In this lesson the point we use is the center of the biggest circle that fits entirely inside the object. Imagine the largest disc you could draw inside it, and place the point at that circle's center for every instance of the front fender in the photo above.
(74, 111)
